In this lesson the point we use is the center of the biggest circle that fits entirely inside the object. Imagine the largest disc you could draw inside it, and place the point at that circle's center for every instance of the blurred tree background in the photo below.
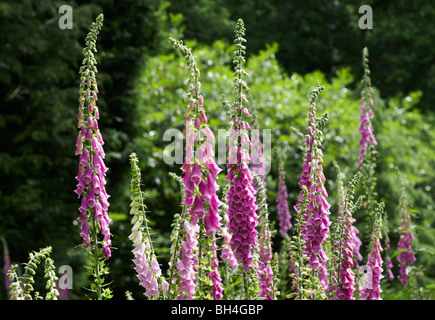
(292, 47)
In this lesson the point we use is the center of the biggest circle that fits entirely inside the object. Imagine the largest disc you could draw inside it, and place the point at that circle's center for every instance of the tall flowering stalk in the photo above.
(368, 155)
(407, 257)
(147, 267)
(304, 284)
(265, 272)
(92, 170)
(241, 200)
(341, 195)
(372, 288)
(366, 128)
(343, 286)
(282, 203)
(200, 197)
(316, 214)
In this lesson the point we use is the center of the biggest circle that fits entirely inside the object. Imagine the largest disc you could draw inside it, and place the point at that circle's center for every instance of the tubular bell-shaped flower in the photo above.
(316, 214)
(147, 267)
(372, 288)
(241, 195)
(92, 170)
(200, 174)
(341, 195)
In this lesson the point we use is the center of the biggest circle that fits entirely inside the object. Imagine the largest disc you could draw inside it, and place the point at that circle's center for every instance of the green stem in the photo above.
(245, 284)
(97, 262)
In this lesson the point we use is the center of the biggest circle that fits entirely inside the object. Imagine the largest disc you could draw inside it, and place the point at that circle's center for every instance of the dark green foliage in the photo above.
(39, 84)
(324, 35)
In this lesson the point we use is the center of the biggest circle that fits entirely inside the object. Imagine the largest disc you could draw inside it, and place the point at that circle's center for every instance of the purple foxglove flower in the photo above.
(198, 207)
(196, 174)
(197, 122)
(366, 128)
(407, 257)
(200, 198)
(209, 134)
(96, 184)
(203, 117)
(315, 232)
(372, 288)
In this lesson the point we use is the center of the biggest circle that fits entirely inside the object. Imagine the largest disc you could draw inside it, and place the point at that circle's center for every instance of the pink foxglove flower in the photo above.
(282, 203)
(186, 266)
(146, 264)
(407, 257)
(316, 216)
(241, 201)
(92, 170)
(366, 128)
(227, 253)
(200, 172)
(214, 274)
(372, 288)
(264, 268)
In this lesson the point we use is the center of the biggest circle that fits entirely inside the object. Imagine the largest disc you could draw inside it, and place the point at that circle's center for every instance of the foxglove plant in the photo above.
(316, 214)
(343, 286)
(366, 128)
(372, 288)
(282, 204)
(175, 250)
(341, 195)
(265, 272)
(94, 206)
(305, 285)
(407, 257)
(147, 267)
(200, 174)
(368, 155)
(241, 195)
